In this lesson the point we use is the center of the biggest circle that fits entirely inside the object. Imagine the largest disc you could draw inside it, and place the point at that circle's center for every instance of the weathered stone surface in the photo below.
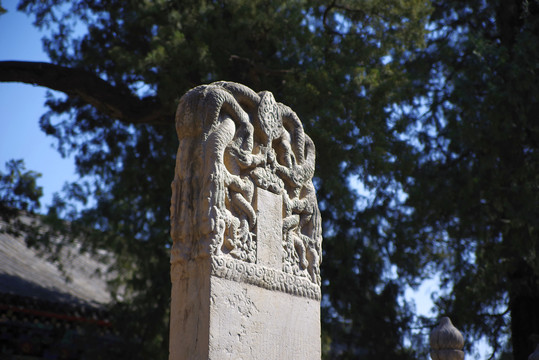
(269, 246)
(245, 261)
(252, 323)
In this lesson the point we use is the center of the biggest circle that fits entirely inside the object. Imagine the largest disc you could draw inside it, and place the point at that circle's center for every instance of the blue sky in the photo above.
(22, 105)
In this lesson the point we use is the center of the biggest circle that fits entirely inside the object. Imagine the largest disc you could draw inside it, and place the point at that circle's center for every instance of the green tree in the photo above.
(443, 138)
(18, 190)
(474, 192)
(356, 73)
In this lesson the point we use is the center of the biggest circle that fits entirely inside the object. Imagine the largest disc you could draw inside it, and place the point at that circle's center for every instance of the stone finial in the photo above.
(535, 354)
(446, 342)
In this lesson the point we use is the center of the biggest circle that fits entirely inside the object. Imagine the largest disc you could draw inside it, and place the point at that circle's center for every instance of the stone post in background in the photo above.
(446, 342)
(246, 230)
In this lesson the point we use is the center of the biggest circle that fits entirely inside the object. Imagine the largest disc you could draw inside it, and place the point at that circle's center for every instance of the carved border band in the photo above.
(264, 277)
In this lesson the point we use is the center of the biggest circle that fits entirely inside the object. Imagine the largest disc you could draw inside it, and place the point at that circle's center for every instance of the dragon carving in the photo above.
(232, 141)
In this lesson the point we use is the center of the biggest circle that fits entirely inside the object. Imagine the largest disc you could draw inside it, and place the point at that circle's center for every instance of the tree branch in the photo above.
(117, 103)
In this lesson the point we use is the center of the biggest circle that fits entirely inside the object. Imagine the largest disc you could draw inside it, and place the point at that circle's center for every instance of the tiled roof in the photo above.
(26, 272)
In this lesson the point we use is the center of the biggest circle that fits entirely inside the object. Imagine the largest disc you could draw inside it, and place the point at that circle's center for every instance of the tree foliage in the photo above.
(474, 189)
(18, 190)
(423, 114)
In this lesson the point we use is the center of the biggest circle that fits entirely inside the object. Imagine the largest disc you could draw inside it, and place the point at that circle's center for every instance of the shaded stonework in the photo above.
(244, 211)
(446, 341)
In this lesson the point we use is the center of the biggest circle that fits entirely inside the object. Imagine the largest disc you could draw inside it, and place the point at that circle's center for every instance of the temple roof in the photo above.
(28, 272)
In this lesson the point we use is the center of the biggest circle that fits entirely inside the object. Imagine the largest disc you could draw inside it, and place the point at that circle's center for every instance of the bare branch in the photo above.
(117, 103)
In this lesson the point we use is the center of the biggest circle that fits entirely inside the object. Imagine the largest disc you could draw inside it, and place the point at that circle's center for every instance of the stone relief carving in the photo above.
(234, 141)
(231, 269)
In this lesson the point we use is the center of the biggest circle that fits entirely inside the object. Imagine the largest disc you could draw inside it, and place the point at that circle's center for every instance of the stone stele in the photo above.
(246, 230)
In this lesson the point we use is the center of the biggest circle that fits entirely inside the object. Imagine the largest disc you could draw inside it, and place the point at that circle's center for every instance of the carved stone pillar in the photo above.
(246, 230)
